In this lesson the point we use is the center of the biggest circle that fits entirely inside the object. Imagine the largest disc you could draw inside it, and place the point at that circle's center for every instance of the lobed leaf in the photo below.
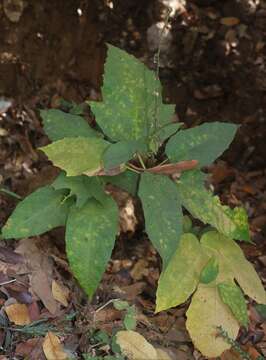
(90, 237)
(77, 155)
(204, 143)
(233, 265)
(232, 296)
(205, 314)
(59, 125)
(181, 276)
(127, 110)
(82, 187)
(163, 213)
(39, 212)
(78, 186)
(203, 205)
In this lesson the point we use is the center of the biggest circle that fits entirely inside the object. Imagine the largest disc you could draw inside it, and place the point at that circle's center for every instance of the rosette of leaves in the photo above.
(137, 147)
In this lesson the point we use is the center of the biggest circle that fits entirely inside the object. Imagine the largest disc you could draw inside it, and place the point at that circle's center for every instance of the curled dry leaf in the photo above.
(52, 348)
(60, 293)
(18, 314)
(135, 346)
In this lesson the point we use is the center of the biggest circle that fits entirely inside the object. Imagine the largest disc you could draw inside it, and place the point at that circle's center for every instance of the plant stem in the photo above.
(141, 161)
(132, 169)
(10, 193)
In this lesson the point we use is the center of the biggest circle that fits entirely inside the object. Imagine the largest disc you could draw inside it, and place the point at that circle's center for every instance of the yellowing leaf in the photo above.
(52, 348)
(135, 346)
(233, 264)
(60, 293)
(77, 155)
(18, 314)
(181, 276)
(162, 355)
(206, 313)
(201, 203)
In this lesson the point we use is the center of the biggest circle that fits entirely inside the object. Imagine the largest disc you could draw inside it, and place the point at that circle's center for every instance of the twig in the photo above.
(8, 282)
(10, 193)
(157, 62)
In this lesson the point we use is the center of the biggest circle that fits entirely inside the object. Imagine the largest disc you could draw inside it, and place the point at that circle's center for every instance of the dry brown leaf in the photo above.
(135, 346)
(162, 355)
(60, 293)
(41, 270)
(139, 269)
(230, 355)
(52, 348)
(27, 348)
(18, 314)
(229, 21)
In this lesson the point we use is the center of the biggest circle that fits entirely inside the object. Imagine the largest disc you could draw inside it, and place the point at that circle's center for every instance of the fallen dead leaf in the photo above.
(41, 270)
(230, 355)
(139, 269)
(229, 21)
(18, 314)
(26, 348)
(162, 355)
(60, 293)
(53, 348)
(135, 346)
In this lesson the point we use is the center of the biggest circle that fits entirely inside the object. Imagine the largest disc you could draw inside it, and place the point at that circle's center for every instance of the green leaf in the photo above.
(261, 309)
(205, 314)
(203, 205)
(210, 271)
(127, 181)
(186, 224)
(120, 305)
(180, 278)
(90, 237)
(121, 152)
(157, 139)
(79, 186)
(130, 321)
(39, 212)
(77, 155)
(204, 143)
(233, 297)
(82, 187)
(163, 213)
(127, 110)
(233, 265)
(59, 125)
